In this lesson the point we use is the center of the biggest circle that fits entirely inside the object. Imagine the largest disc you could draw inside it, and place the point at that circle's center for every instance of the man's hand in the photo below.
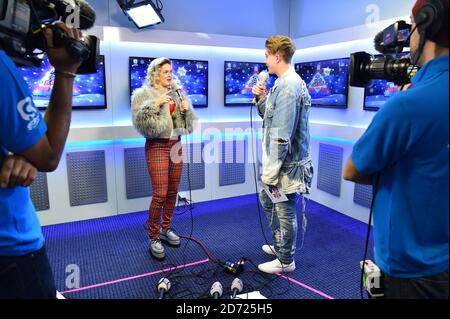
(258, 90)
(17, 171)
(352, 174)
(59, 57)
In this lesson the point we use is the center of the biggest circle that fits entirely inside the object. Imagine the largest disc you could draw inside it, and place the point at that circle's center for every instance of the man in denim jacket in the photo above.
(286, 157)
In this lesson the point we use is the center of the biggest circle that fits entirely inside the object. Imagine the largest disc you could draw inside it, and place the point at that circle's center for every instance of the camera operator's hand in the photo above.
(17, 171)
(59, 57)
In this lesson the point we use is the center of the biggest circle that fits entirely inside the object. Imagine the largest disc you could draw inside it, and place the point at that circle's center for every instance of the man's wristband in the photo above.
(68, 75)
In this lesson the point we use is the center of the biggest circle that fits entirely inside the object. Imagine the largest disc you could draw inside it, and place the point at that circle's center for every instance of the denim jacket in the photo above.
(286, 155)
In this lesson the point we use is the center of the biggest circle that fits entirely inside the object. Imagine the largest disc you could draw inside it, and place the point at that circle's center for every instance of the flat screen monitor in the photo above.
(240, 77)
(327, 81)
(89, 90)
(378, 92)
(191, 74)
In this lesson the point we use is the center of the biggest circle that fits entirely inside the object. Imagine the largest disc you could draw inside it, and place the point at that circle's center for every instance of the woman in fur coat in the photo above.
(161, 113)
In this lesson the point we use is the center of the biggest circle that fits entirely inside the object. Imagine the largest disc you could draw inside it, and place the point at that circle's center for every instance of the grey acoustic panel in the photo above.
(137, 179)
(193, 167)
(39, 192)
(232, 167)
(329, 173)
(363, 195)
(86, 173)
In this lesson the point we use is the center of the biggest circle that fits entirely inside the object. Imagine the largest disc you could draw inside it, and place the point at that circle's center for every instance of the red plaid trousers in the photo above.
(165, 162)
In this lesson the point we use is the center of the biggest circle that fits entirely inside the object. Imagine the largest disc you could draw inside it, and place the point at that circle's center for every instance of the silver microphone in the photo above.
(236, 287)
(177, 88)
(163, 287)
(216, 290)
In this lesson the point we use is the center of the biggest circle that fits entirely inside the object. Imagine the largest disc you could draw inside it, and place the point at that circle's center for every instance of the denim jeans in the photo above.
(432, 287)
(27, 277)
(283, 223)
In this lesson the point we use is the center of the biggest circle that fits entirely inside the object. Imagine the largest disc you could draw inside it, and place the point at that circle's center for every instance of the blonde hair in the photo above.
(281, 44)
(153, 70)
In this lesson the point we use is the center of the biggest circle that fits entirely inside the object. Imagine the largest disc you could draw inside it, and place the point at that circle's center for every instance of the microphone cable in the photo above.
(366, 244)
(255, 179)
(188, 208)
(253, 140)
(189, 203)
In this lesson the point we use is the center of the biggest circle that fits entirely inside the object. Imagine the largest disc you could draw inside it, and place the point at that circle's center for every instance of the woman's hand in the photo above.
(184, 106)
(163, 99)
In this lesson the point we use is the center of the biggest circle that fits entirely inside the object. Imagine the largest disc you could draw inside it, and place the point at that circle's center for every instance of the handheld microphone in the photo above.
(263, 78)
(236, 287)
(163, 287)
(175, 84)
(216, 290)
(177, 88)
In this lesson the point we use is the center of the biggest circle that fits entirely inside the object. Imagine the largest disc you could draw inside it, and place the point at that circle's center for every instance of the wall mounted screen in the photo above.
(191, 74)
(327, 81)
(89, 90)
(240, 77)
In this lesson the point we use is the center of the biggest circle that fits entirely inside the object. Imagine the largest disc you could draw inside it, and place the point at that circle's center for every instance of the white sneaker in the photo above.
(156, 248)
(275, 266)
(270, 250)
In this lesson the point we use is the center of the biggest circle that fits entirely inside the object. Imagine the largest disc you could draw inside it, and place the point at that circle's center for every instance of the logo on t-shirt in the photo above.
(28, 113)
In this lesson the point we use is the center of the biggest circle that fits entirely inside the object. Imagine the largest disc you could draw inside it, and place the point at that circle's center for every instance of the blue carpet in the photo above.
(114, 248)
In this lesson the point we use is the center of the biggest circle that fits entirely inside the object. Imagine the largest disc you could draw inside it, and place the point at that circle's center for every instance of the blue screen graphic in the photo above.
(89, 90)
(378, 92)
(191, 74)
(240, 77)
(327, 81)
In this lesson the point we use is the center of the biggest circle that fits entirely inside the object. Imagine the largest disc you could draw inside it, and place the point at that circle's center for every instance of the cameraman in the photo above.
(24, 267)
(404, 153)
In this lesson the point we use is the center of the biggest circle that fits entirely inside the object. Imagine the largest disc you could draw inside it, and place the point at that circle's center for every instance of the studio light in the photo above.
(144, 13)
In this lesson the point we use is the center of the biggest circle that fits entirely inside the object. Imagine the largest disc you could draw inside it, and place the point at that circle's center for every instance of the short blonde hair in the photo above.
(153, 70)
(281, 44)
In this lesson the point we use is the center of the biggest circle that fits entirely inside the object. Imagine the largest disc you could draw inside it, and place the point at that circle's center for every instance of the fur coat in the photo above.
(156, 122)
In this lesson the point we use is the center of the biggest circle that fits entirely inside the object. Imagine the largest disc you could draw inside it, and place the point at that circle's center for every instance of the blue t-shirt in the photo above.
(407, 145)
(21, 126)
